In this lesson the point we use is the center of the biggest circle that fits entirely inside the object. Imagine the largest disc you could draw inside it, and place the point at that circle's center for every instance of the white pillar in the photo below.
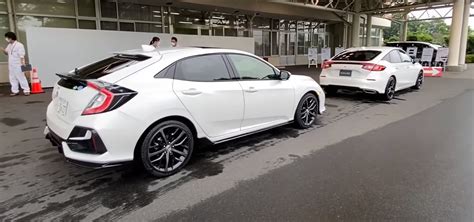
(356, 24)
(464, 33)
(368, 31)
(455, 36)
(404, 28)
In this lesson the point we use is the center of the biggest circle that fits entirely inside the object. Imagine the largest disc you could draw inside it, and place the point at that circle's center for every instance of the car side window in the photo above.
(248, 67)
(395, 57)
(405, 57)
(206, 68)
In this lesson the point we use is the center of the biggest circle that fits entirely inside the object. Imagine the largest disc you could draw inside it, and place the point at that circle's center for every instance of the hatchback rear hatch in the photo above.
(84, 91)
(353, 64)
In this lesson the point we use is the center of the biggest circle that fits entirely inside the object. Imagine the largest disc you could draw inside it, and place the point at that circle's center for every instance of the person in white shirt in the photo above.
(155, 42)
(16, 58)
(174, 42)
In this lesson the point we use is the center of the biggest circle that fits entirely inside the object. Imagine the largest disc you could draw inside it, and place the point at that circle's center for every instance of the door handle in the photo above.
(251, 89)
(191, 92)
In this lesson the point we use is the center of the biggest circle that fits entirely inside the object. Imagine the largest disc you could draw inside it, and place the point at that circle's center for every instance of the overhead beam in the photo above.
(413, 7)
(285, 2)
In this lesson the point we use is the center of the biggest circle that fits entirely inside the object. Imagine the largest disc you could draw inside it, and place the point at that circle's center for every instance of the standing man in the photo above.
(16, 58)
(174, 41)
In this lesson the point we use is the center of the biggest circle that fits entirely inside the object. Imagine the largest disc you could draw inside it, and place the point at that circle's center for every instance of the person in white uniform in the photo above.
(16, 58)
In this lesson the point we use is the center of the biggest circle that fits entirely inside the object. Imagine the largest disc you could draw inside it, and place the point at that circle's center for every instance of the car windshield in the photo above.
(361, 55)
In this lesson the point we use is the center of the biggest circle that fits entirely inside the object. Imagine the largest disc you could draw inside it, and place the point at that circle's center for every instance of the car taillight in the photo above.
(109, 97)
(326, 64)
(373, 67)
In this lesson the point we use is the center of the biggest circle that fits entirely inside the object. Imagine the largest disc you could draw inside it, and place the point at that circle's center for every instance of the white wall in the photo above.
(55, 50)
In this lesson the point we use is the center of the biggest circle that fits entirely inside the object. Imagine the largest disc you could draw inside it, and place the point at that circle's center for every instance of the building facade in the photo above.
(282, 33)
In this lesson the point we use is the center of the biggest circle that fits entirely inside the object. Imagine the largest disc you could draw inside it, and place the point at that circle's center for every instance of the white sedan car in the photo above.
(152, 106)
(375, 70)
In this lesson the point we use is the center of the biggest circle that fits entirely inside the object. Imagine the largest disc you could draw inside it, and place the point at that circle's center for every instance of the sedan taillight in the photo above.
(373, 67)
(326, 64)
(109, 97)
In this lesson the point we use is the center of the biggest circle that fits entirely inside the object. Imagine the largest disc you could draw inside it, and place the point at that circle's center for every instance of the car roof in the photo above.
(376, 48)
(416, 42)
(180, 51)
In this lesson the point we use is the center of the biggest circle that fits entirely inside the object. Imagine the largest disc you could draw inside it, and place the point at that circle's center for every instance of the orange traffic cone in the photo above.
(35, 83)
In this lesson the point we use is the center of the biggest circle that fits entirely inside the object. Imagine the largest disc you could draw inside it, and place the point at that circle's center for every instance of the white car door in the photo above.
(268, 100)
(400, 69)
(212, 97)
(412, 69)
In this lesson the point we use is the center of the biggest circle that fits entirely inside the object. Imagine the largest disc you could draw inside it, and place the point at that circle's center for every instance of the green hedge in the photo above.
(470, 58)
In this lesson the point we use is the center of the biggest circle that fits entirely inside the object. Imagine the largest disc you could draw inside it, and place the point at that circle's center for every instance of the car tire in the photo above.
(389, 89)
(167, 148)
(419, 81)
(331, 90)
(307, 111)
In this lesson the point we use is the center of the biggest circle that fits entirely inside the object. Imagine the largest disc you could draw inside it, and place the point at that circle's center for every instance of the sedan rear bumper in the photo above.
(366, 85)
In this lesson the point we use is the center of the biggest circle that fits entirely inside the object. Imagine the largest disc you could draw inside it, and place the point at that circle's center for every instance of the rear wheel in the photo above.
(167, 148)
(389, 89)
(307, 111)
(419, 81)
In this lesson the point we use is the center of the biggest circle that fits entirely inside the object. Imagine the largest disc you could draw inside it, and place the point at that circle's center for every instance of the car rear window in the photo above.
(107, 66)
(362, 55)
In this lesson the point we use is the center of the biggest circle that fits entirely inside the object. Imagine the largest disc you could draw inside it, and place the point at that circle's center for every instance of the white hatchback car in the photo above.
(374, 70)
(152, 106)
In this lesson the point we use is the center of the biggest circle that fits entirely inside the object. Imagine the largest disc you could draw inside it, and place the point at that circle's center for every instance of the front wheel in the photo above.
(307, 111)
(167, 148)
(419, 81)
(389, 89)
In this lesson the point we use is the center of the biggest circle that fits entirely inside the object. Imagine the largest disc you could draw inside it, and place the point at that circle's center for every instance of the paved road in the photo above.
(417, 169)
(36, 183)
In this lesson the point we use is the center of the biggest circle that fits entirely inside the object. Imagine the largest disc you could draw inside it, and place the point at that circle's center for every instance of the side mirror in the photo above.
(413, 61)
(284, 75)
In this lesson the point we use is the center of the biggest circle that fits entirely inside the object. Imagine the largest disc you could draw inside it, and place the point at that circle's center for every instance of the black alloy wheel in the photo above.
(307, 111)
(167, 148)
(389, 89)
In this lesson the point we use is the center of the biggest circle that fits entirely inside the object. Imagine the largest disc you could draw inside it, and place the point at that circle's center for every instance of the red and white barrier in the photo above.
(433, 71)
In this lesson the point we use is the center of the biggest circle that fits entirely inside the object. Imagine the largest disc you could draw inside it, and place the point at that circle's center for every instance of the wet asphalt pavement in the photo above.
(417, 169)
(409, 159)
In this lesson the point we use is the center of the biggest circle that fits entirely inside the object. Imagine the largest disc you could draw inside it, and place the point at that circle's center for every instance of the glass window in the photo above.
(107, 66)
(4, 27)
(104, 25)
(362, 55)
(86, 8)
(184, 30)
(218, 31)
(275, 43)
(147, 27)
(261, 23)
(3, 5)
(230, 32)
(108, 8)
(36, 21)
(395, 57)
(206, 68)
(87, 24)
(258, 42)
(204, 31)
(266, 43)
(126, 26)
(251, 68)
(48, 7)
(283, 43)
(405, 57)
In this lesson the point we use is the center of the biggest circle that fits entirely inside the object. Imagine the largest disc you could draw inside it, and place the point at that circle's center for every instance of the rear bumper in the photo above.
(366, 85)
(96, 160)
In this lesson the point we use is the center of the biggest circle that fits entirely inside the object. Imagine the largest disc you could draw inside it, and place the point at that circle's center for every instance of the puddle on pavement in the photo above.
(34, 102)
(12, 121)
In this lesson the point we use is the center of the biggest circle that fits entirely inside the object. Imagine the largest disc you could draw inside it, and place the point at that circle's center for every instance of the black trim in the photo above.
(253, 132)
(96, 165)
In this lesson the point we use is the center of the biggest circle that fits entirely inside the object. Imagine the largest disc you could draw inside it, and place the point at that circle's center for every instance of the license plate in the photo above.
(345, 73)
(62, 106)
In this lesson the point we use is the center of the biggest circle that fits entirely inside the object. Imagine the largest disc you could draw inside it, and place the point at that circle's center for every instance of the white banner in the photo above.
(338, 50)
(325, 54)
(312, 56)
(442, 55)
(411, 51)
(427, 54)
